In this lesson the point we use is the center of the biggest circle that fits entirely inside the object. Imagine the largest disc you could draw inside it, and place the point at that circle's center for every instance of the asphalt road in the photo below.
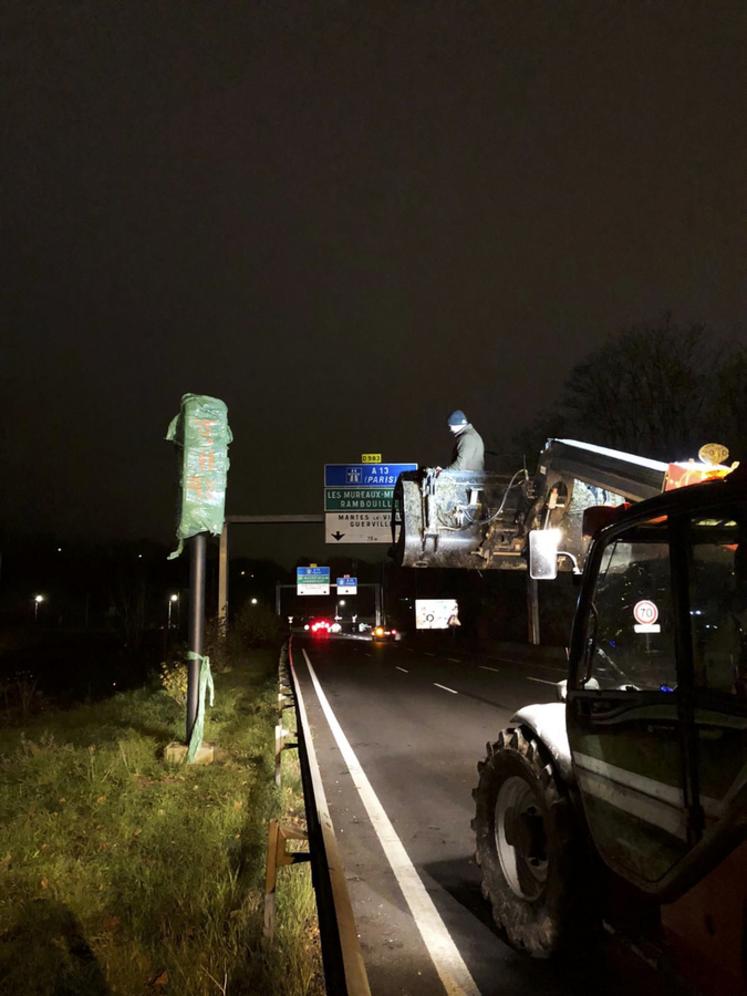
(398, 733)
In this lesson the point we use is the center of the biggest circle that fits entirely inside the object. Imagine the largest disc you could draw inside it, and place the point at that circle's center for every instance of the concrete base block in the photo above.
(176, 753)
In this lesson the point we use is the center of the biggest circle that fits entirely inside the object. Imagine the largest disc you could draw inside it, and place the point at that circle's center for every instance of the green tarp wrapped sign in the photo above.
(201, 431)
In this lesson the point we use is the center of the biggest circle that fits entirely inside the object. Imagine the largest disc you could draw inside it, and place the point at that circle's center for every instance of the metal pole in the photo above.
(198, 551)
(533, 611)
(377, 603)
(277, 599)
(223, 581)
(383, 592)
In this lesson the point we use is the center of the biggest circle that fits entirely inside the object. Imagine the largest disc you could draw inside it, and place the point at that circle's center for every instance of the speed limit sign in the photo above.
(645, 612)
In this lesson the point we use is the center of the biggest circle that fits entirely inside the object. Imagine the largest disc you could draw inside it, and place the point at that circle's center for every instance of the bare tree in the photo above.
(649, 390)
(726, 419)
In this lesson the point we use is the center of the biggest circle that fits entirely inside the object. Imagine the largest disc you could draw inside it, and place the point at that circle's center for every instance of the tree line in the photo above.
(659, 390)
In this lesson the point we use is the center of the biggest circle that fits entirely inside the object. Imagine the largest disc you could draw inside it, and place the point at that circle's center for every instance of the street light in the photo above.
(173, 600)
(254, 601)
(38, 599)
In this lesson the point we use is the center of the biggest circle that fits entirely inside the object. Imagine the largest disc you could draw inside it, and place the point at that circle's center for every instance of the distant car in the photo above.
(384, 634)
(319, 627)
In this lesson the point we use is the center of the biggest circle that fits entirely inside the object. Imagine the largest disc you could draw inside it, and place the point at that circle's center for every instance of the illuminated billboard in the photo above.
(436, 613)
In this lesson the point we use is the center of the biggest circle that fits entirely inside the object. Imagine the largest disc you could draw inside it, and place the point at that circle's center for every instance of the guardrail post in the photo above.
(280, 732)
(278, 857)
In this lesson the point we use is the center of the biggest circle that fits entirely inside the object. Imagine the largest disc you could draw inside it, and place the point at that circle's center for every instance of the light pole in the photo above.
(173, 600)
(38, 599)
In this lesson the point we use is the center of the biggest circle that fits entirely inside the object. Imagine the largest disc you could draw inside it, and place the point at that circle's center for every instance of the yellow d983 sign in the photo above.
(371, 458)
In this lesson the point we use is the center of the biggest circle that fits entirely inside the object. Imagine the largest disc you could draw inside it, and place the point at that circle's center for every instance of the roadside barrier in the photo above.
(344, 969)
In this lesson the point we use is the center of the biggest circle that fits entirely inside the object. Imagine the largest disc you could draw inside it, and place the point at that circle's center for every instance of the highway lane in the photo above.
(417, 723)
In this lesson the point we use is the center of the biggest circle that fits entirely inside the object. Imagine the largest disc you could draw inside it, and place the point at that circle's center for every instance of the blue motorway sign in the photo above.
(364, 475)
(312, 580)
(347, 586)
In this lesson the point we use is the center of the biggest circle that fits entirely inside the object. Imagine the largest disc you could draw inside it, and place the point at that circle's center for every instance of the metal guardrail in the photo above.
(344, 968)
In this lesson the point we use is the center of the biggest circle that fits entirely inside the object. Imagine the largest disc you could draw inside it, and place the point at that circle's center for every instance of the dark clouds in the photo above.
(345, 220)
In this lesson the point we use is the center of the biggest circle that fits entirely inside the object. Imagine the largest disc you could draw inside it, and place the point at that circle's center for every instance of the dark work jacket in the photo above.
(469, 450)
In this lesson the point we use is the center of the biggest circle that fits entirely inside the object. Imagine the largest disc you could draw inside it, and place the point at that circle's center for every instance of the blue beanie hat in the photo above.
(458, 418)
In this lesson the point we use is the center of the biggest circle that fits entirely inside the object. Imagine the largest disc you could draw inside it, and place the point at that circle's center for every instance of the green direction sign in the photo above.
(357, 499)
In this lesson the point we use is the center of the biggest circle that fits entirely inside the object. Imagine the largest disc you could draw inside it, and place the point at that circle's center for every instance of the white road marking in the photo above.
(541, 681)
(401, 668)
(485, 667)
(447, 960)
(445, 688)
(454, 660)
(429, 654)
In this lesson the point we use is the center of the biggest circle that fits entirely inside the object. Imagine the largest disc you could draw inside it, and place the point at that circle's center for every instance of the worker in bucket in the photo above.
(469, 449)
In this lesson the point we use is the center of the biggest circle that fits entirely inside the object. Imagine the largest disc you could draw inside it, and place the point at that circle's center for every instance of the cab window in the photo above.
(630, 643)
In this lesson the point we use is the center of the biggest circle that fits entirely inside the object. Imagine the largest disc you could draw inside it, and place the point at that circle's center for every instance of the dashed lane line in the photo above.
(486, 667)
(429, 654)
(446, 688)
(454, 660)
(402, 669)
(444, 953)
(541, 681)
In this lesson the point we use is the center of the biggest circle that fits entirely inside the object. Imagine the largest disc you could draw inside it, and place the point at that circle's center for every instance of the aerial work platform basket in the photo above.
(478, 519)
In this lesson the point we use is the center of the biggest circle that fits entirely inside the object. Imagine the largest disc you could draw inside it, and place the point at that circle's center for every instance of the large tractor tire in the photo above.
(527, 847)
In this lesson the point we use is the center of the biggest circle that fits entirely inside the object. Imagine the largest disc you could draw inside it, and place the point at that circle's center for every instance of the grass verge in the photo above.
(119, 874)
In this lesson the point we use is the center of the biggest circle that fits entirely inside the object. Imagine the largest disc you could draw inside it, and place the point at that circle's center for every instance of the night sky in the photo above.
(344, 219)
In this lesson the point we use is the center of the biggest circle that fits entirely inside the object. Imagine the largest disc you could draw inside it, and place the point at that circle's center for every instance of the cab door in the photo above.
(624, 710)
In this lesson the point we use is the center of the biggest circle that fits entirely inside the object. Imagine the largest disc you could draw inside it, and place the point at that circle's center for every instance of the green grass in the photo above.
(120, 874)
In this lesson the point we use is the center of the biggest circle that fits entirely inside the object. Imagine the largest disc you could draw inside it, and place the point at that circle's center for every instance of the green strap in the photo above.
(176, 553)
(205, 683)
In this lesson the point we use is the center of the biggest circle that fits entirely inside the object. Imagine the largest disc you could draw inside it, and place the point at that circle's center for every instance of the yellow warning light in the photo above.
(713, 453)
(712, 466)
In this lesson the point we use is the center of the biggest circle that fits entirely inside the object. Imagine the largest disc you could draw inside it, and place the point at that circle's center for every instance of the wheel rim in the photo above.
(520, 838)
